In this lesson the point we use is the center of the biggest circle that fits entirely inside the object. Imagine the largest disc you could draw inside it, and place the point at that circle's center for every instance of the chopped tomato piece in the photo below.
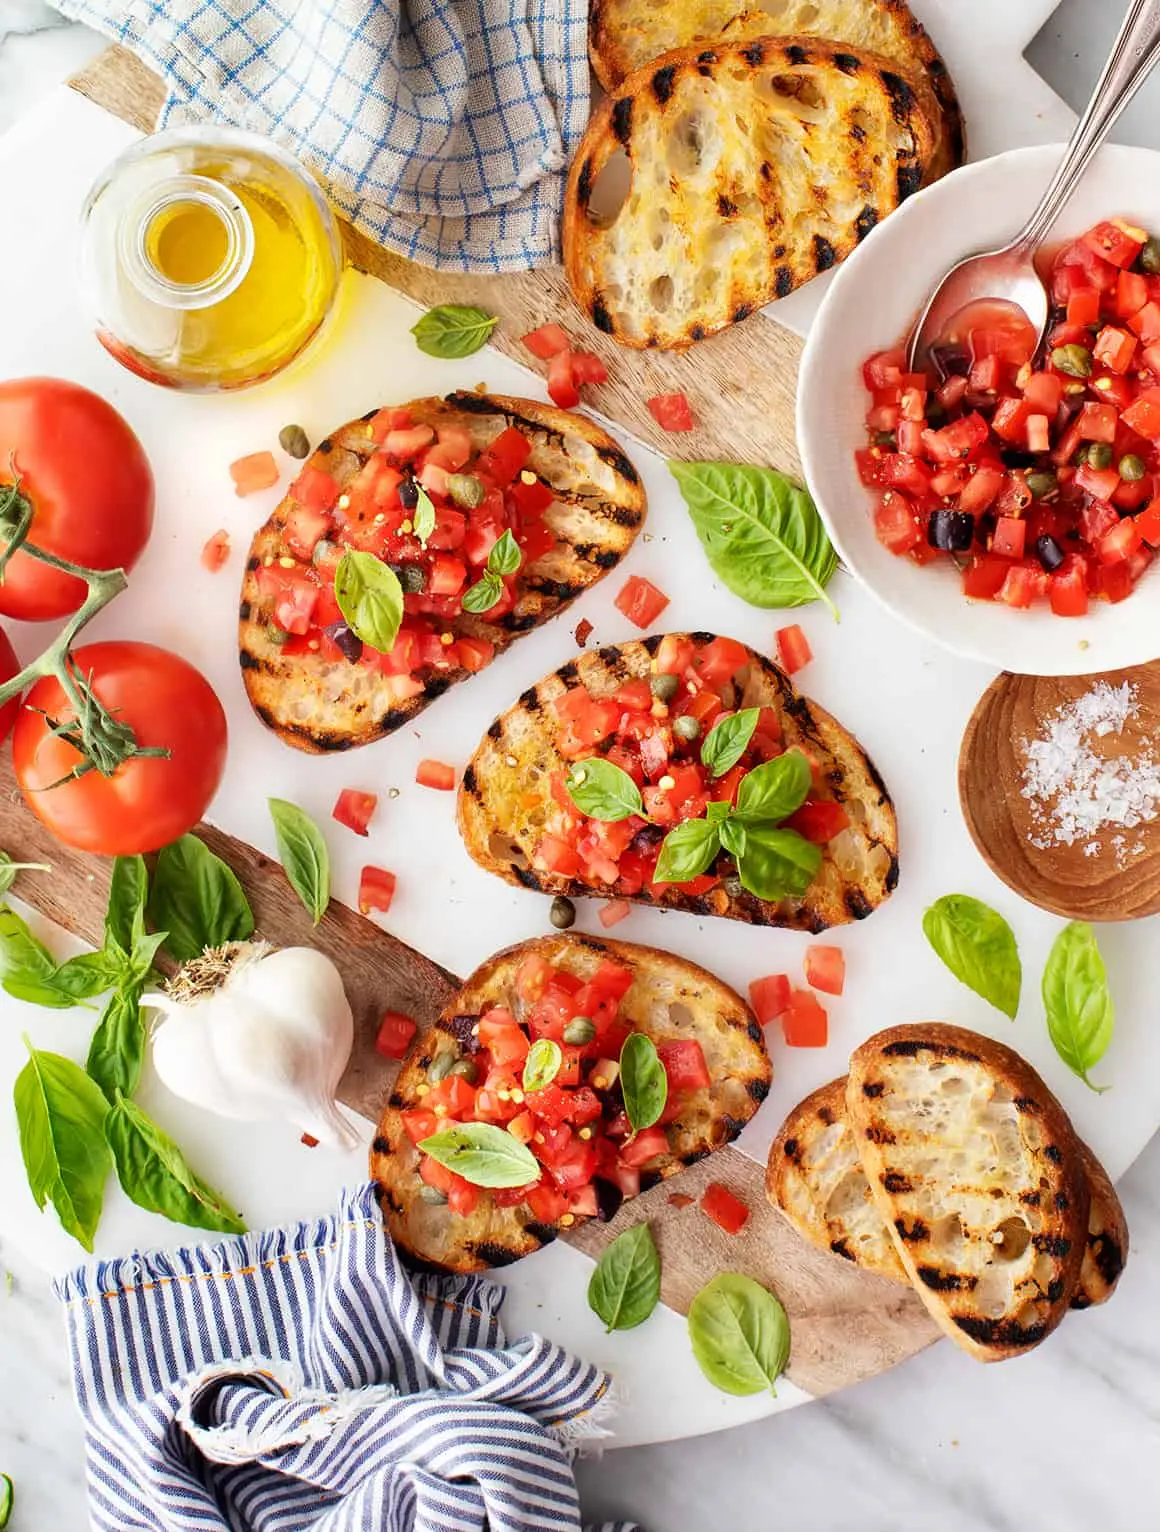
(506, 457)
(436, 774)
(562, 388)
(819, 821)
(804, 1021)
(825, 969)
(547, 341)
(1120, 543)
(1114, 348)
(451, 1097)
(719, 661)
(1131, 294)
(793, 649)
(250, 474)
(726, 1210)
(548, 1203)
(1116, 242)
(895, 523)
(770, 997)
(394, 1034)
(1143, 416)
(420, 1124)
(613, 913)
(376, 890)
(216, 552)
(1083, 306)
(354, 809)
(463, 1197)
(643, 1147)
(671, 412)
(641, 602)
(404, 444)
(1097, 423)
(587, 367)
(1010, 537)
(684, 1063)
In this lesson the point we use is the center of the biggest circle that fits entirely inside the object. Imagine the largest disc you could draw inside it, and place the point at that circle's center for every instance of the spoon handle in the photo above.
(1129, 64)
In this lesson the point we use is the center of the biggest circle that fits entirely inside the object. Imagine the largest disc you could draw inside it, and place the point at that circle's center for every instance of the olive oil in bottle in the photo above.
(211, 259)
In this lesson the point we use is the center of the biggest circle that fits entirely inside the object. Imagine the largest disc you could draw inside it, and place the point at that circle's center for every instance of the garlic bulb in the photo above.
(258, 1033)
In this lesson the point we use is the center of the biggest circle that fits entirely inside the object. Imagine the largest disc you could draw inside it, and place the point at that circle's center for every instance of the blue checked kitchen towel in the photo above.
(301, 1379)
(441, 128)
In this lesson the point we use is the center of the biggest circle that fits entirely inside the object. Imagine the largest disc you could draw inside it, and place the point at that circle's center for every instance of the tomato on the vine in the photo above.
(147, 801)
(85, 475)
(9, 667)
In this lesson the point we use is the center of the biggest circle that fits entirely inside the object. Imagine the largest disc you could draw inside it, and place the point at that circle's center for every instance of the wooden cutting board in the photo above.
(846, 1325)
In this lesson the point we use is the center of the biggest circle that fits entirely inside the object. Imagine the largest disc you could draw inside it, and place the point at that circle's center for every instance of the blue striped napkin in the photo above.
(441, 128)
(302, 1379)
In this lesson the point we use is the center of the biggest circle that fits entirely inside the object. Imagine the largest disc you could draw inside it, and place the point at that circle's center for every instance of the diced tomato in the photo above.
(451, 1097)
(674, 656)
(895, 523)
(819, 821)
(611, 981)
(793, 649)
(613, 913)
(804, 1021)
(1146, 323)
(1019, 586)
(436, 1175)
(1097, 423)
(376, 889)
(1114, 349)
(475, 653)
(1010, 537)
(958, 440)
(523, 1127)
(641, 602)
(770, 997)
(547, 341)
(1131, 294)
(354, 809)
(394, 1034)
(1010, 420)
(255, 472)
(885, 369)
(548, 1203)
(825, 969)
(1116, 242)
(506, 457)
(436, 774)
(1120, 543)
(420, 1124)
(584, 1202)
(532, 499)
(555, 855)
(645, 1146)
(587, 367)
(216, 552)
(727, 1211)
(463, 1197)
(719, 661)
(1149, 524)
(684, 1063)
(1083, 306)
(390, 419)
(562, 388)
(1143, 416)
(1101, 483)
(671, 412)
(404, 444)
(448, 575)
(503, 1037)
(1044, 392)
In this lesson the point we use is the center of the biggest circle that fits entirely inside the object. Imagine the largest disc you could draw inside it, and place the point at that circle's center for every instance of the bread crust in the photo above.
(321, 705)
(994, 1251)
(498, 827)
(720, 219)
(671, 998)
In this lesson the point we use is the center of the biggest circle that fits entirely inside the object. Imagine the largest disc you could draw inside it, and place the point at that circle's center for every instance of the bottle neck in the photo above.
(187, 243)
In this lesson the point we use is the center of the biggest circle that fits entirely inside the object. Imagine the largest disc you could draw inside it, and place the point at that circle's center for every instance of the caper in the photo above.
(466, 1069)
(276, 635)
(1080, 456)
(733, 886)
(323, 548)
(664, 687)
(886, 439)
(411, 578)
(1100, 455)
(1075, 360)
(1132, 467)
(686, 727)
(563, 913)
(466, 490)
(1041, 484)
(1149, 257)
(579, 1031)
(433, 1195)
(294, 440)
(440, 1067)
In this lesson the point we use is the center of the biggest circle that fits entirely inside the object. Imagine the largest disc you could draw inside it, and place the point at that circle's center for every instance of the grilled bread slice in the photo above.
(502, 806)
(976, 1170)
(625, 35)
(318, 704)
(754, 166)
(816, 1179)
(670, 998)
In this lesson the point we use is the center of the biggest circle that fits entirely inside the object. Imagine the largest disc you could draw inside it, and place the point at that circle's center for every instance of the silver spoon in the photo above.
(1009, 274)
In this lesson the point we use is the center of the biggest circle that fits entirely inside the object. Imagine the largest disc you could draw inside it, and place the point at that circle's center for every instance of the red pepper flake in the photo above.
(310, 1141)
(583, 631)
(216, 551)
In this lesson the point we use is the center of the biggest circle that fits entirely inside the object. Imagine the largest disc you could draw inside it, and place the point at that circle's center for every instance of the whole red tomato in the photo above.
(88, 481)
(146, 802)
(9, 667)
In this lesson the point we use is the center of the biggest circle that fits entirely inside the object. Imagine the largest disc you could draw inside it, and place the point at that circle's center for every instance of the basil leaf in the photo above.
(733, 837)
(727, 741)
(543, 1063)
(483, 595)
(777, 864)
(117, 1049)
(90, 973)
(484, 1155)
(626, 1286)
(762, 534)
(423, 516)
(8, 871)
(774, 790)
(27, 968)
(1080, 1015)
(603, 791)
(739, 1334)
(979, 948)
(643, 1081)
(505, 556)
(370, 597)
(717, 813)
(453, 330)
(689, 849)
(128, 894)
(7, 1490)
(61, 1116)
(305, 859)
(155, 1174)
(196, 900)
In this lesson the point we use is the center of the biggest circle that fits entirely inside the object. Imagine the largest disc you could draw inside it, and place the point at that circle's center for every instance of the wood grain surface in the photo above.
(1117, 882)
(846, 1325)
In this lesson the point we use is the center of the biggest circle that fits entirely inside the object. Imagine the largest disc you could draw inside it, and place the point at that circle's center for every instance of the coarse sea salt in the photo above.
(1076, 791)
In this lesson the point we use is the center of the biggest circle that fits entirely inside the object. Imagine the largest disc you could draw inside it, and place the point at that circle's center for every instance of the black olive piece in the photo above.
(1069, 408)
(950, 361)
(460, 1028)
(647, 838)
(408, 494)
(976, 399)
(1013, 457)
(1049, 553)
(951, 531)
(350, 643)
(987, 523)
(936, 412)
(411, 577)
(608, 1199)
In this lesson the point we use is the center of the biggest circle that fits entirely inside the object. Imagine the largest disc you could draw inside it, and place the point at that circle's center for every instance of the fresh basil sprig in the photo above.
(155, 1174)
(979, 948)
(423, 516)
(305, 859)
(762, 534)
(625, 1288)
(602, 790)
(9, 870)
(504, 559)
(688, 850)
(197, 900)
(61, 1114)
(543, 1063)
(453, 330)
(1081, 1017)
(739, 1334)
(643, 1081)
(727, 741)
(370, 598)
(484, 1155)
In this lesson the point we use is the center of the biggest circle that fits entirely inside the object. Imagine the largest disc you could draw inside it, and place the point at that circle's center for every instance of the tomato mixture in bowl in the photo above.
(1035, 471)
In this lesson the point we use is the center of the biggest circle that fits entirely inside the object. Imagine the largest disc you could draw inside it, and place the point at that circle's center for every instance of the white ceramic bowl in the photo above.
(871, 305)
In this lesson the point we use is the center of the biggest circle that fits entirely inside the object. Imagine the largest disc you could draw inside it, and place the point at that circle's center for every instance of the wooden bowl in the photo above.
(1113, 884)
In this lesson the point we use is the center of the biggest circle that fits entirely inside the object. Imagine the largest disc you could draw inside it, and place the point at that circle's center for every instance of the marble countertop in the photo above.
(1063, 1439)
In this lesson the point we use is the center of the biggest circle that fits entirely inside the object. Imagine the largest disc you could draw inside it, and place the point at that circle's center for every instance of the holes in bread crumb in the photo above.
(860, 121)
(680, 1015)
(610, 191)
(1011, 1239)
(505, 850)
(691, 143)
(660, 293)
